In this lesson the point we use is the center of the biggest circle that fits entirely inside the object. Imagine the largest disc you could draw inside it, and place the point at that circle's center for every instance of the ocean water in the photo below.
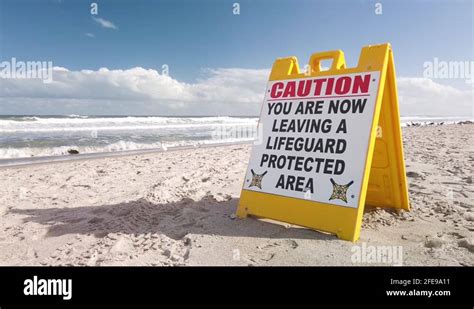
(43, 136)
(39, 136)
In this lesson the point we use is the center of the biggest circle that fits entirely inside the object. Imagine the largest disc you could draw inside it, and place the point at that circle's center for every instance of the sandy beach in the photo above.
(177, 208)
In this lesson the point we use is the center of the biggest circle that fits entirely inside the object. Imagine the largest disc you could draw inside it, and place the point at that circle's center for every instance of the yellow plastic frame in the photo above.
(384, 181)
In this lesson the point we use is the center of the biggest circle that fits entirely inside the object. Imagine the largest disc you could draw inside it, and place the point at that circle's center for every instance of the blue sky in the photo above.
(192, 36)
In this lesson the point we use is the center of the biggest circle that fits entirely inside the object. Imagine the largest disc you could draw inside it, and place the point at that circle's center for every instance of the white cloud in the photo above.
(230, 91)
(91, 35)
(220, 85)
(423, 96)
(105, 23)
(138, 90)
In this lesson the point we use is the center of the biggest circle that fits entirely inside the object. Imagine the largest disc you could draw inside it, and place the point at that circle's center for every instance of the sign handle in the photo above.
(337, 57)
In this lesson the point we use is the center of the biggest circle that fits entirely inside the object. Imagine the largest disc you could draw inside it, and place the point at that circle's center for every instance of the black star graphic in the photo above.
(257, 179)
(339, 191)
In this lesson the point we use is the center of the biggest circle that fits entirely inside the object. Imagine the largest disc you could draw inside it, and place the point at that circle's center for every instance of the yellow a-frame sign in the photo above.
(330, 142)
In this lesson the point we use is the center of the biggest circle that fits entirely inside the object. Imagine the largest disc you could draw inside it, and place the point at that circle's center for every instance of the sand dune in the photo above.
(176, 208)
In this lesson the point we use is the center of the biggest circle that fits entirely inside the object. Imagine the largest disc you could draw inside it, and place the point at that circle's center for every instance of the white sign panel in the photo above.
(314, 136)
